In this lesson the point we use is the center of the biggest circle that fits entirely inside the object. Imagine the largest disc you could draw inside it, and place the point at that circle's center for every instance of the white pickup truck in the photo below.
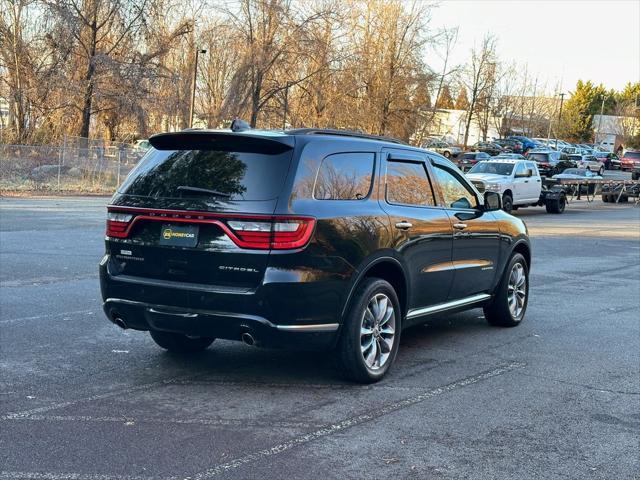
(518, 182)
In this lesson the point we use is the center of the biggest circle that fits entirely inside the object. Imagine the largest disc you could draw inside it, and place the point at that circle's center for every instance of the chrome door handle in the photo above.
(459, 226)
(404, 225)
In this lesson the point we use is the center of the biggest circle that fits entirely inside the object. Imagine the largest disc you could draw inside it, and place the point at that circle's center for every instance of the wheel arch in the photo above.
(523, 249)
(386, 268)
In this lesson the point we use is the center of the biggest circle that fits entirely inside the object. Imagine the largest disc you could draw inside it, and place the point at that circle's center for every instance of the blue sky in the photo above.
(560, 41)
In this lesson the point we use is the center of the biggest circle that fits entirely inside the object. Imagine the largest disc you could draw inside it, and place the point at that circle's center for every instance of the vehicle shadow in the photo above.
(227, 361)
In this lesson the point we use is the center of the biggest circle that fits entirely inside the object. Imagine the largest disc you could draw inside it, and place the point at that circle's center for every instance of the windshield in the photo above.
(635, 155)
(234, 175)
(497, 168)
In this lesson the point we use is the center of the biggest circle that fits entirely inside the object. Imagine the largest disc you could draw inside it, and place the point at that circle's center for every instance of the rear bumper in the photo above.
(227, 325)
(293, 315)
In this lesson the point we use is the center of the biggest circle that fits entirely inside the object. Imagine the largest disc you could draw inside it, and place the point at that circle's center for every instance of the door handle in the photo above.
(459, 226)
(404, 225)
(526, 181)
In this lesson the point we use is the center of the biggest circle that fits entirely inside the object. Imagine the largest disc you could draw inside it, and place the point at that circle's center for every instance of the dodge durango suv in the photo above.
(314, 239)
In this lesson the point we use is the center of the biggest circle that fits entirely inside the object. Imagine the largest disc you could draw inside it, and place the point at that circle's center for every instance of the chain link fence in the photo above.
(79, 165)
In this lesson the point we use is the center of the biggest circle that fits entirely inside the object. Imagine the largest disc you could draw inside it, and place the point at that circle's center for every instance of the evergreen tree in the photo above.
(577, 116)
(462, 102)
(445, 100)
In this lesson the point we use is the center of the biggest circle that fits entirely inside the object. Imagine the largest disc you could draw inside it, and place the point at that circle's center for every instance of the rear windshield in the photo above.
(632, 154)
(539, 157)
(236, 175)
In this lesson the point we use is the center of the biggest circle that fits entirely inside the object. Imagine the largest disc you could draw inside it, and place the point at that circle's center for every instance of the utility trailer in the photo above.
(620, 191)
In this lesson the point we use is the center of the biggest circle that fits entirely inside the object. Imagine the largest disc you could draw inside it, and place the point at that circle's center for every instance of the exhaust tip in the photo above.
(248, 339)
(120, 322)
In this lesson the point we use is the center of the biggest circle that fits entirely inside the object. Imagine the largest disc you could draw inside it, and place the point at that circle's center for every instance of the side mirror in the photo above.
(492, 201)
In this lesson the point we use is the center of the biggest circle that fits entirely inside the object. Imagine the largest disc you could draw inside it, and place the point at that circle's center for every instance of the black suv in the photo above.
(307, 239)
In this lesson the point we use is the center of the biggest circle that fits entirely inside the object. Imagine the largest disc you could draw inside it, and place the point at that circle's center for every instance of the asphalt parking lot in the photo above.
(557, 397)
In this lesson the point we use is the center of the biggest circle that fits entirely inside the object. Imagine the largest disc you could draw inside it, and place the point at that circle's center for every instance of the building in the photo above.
(610, 131)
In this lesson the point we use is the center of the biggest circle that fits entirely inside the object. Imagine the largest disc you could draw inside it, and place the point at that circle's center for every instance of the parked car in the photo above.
(610, 160)
(443, 148)
(518, 182)
(550, 162)
(510, 156)
(469, 159)
(527, 143)
(510, 145)
(588, 162)
(487, 147)
(281, 239)
(579, 174)
(630, 160)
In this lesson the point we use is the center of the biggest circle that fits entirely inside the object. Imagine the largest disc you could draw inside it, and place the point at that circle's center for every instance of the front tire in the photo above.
(512, 295)
(371, 332)
(507, 203)
(179, 343)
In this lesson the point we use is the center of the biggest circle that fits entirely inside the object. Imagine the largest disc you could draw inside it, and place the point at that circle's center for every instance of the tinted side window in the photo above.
(408, 184)
(344, 176)
(454, 192)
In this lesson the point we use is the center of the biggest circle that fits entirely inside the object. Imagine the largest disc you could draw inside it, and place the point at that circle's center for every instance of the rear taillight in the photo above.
(261, 232)
(280, 233)
(118, 224)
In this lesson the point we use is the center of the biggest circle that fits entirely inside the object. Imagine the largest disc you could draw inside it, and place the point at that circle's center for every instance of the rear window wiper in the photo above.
(204, 191)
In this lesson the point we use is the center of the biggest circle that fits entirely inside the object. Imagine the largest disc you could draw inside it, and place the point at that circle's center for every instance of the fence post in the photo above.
(61, 159)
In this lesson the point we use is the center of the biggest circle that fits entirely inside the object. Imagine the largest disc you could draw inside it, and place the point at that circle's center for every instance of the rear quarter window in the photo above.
(344, 176)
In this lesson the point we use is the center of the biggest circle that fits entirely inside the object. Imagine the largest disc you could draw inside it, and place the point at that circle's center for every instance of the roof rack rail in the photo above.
(342, 133)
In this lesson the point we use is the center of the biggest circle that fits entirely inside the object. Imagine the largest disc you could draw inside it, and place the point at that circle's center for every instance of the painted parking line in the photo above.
(354, 421)
(48, 315)
(130, 421)
(93, 398)
(66, 476)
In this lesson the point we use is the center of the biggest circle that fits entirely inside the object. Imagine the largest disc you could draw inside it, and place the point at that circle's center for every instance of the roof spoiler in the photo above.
(251, 141)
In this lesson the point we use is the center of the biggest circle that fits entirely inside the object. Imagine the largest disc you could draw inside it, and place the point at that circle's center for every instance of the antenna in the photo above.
(239, 125)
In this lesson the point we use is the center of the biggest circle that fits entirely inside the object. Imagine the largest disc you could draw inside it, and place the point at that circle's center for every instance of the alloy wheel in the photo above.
(377, 331)
(517, 290)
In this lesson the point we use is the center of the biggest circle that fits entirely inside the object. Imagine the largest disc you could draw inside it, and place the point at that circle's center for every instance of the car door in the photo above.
(535, 182)
(421, 230)
(476, 238)
(520, 183)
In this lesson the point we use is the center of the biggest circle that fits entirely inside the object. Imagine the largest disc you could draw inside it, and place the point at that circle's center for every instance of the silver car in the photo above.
(443, 148)
(588, 162)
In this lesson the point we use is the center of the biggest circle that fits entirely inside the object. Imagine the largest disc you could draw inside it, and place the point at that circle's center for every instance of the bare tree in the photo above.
(478, 77)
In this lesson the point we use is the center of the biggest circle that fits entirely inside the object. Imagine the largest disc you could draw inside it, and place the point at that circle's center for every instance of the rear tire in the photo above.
(179, 343)
(556, 206)
(605, 198)
(512, 295)
(370, 332)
